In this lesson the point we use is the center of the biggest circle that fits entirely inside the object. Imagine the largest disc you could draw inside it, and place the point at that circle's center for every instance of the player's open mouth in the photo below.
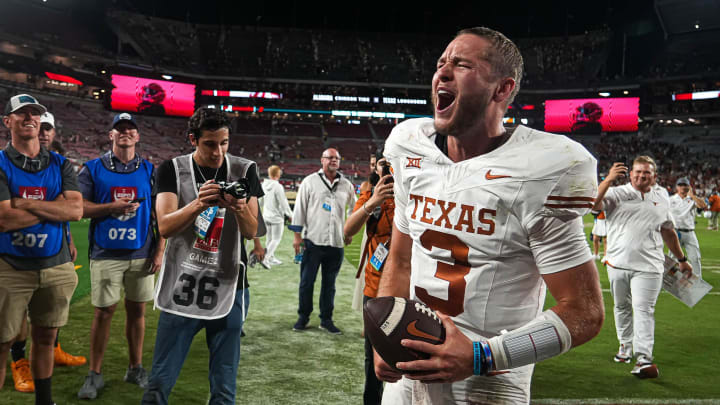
(445, 100)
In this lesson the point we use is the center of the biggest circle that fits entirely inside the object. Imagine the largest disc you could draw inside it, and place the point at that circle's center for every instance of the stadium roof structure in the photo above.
(686, 16)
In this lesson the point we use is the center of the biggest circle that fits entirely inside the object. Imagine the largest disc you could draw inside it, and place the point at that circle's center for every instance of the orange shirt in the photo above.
(714, 202)
(381, 235)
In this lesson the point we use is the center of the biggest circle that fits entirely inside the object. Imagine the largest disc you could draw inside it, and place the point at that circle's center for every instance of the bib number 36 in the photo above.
(206, 296)
(454, 274)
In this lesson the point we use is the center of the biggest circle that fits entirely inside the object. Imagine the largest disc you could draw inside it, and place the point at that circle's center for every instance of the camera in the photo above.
(238, 189)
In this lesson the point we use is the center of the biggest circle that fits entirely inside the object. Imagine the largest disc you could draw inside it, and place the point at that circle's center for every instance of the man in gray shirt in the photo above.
(320, 209)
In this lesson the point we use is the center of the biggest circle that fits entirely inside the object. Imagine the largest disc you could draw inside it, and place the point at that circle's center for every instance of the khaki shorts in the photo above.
(44, 294)
(108, 278)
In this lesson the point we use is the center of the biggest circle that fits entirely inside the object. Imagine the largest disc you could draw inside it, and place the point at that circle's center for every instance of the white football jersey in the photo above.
(485, 229)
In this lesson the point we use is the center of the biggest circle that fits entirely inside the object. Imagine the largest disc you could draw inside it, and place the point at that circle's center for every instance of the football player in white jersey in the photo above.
(485, 218)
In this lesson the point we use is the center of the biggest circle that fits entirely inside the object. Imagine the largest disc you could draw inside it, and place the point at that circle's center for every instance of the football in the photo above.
(389, 320)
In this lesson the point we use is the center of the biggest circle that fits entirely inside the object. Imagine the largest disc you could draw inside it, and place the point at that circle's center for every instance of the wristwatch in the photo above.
(682, 260)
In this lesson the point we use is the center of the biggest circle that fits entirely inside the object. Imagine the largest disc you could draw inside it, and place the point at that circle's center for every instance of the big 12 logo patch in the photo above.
(33, 193)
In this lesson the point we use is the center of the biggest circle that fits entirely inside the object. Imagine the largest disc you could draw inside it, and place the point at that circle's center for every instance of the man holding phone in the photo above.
(375, 208)
(124, 250)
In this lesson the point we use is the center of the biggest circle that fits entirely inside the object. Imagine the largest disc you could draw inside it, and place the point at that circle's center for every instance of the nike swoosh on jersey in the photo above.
(490, 176)
(413, 330)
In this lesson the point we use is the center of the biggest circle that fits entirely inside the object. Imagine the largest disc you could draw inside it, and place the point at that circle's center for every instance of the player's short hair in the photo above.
(642, 159)
(207, 119)
(505, 57)
(274, 170)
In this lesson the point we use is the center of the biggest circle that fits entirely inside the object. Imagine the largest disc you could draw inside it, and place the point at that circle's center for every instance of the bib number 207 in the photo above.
(29, 240)
(206, 296)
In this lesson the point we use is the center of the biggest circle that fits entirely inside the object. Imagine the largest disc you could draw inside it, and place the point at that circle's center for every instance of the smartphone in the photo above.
(385, 172)
(138, 200)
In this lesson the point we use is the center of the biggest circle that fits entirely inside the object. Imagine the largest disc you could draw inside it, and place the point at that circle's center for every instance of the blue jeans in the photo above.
(174, 336)
(314, 256)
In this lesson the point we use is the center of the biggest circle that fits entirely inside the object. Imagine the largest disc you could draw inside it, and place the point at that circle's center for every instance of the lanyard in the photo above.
(334, 186)
(112, 162)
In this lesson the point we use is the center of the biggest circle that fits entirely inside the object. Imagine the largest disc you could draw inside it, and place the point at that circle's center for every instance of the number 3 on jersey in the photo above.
(454, 274)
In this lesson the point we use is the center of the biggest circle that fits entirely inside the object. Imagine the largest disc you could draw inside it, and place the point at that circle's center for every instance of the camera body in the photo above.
(238, 189)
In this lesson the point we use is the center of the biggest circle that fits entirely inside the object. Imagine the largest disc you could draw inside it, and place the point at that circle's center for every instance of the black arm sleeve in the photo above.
(165, 180)
(69, 178)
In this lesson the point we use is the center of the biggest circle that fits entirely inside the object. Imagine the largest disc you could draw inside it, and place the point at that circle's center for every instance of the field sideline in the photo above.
(280, 366)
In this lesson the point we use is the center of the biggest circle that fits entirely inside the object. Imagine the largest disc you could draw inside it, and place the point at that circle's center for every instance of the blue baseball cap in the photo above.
(682, 180)
(124, 117)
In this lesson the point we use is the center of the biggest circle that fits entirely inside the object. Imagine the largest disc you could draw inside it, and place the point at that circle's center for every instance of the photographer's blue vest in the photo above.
(45, 238)
(121, 231)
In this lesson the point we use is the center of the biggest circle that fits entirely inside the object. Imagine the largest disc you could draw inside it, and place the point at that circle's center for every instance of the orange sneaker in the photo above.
(63, 358)
(22, 376)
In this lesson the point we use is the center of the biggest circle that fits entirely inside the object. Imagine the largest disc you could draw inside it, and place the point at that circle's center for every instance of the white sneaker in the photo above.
(265, 263)
(274, 261)
(644, 368)
(624, 354)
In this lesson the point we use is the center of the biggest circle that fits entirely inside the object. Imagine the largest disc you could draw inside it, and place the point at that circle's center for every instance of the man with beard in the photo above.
(485, 218)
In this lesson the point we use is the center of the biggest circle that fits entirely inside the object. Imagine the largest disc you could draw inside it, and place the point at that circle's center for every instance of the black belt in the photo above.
(685, 230)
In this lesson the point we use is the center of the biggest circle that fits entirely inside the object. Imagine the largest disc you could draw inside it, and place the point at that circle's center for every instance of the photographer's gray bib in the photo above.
(199, 277)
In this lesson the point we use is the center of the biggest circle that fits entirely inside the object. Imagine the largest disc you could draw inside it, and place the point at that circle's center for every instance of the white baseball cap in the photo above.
(47, 118)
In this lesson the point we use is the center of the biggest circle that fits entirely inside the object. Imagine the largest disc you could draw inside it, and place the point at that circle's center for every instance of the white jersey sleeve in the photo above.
(555, 228)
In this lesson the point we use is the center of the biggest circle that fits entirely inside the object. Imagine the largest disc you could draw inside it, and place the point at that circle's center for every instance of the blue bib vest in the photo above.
(121, 231)
(45, 238)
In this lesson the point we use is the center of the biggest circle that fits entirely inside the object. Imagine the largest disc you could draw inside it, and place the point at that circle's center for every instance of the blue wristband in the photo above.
(477, 358)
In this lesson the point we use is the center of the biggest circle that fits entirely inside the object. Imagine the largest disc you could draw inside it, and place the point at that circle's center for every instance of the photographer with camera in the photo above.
(206, 206)
(124, 252)
(375, 208)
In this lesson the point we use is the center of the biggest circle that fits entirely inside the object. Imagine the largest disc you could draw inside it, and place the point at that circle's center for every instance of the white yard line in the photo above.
(613, 401)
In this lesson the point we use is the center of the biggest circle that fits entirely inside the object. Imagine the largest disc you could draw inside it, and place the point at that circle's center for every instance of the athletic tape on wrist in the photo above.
(542, 338)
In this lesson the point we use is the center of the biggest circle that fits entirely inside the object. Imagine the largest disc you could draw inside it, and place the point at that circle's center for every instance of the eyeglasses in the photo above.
(331, 157)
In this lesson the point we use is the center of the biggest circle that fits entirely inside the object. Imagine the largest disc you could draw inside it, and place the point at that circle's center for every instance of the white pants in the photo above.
(273, 237)
(689, 241)
(635, 294)
(512, 388)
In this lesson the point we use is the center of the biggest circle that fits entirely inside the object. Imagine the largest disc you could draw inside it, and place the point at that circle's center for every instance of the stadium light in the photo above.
(604, 94)
(167, 77)
(626, 92)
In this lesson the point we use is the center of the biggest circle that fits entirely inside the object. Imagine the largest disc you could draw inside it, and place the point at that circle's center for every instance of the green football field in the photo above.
(280, 366)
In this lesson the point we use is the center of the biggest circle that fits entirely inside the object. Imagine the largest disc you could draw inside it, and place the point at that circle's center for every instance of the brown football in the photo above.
(389, 320)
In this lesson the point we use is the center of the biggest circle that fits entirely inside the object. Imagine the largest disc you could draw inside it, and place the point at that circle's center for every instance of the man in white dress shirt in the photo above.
(638, 222)
(683, 206)
(320, 209)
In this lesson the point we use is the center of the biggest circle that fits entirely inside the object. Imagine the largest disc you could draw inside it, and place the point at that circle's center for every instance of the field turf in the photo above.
(281, 366)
